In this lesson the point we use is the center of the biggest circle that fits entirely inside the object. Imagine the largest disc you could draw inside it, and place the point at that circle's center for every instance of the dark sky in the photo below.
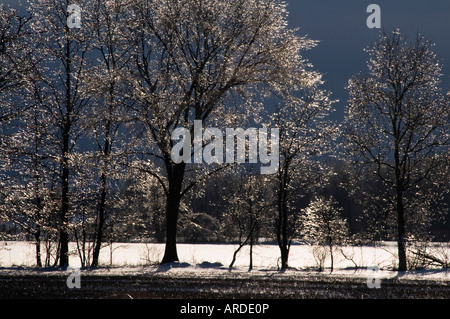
(341, 27)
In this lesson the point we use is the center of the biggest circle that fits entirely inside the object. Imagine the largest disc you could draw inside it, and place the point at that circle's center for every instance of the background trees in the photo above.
(398, 124)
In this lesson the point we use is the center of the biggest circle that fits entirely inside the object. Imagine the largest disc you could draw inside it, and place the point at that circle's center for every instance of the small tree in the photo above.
(323, 224)
(141, 199)
(247, 213)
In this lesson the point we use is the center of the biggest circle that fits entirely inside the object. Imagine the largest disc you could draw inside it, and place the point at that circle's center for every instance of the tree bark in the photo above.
(176, 175)
(101, 223)
(399, 187)
(102, 205)
(402, 265)
(37, 236)
(284, 257)
(331, 257)
(282, 223)
(250, 266)
(170, 253)
(63, 232)
(66, 127)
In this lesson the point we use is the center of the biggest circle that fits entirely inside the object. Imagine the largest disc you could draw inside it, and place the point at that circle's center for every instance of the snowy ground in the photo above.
(203, 274)
(213, 260)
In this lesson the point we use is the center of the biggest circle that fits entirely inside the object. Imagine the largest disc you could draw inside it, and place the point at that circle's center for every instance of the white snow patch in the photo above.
(213, 260)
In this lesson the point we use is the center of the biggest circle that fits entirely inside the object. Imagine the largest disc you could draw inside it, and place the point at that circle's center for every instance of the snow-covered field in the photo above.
(214, 258)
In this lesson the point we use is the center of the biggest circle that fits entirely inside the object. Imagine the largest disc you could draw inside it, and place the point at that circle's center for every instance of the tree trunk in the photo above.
(282, 222)
(176, 175)
(402, 265)
(63, 249)
(331, 257)
(250, 266)
(235, 254)
(98, 240)
(100, 225)
(37, 236)
(284, 257)
(101, 209)
(399, 187)
(282, 235)
(170, 253)
(63, 233)
(67, 122)
(106, 151)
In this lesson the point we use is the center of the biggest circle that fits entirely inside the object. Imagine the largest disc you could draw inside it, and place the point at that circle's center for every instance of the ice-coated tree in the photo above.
(26, 178)
(142, 207)
(397, 126)
(14, 60)
(59, 57)
(103, 121)
(28, 197)
(305, 135)
(210, 61)
(12, 31)
(248, 211)
(323, 224)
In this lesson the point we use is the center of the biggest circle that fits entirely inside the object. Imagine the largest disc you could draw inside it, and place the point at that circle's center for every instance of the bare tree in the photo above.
(305, 134)
(59, 57)
(249, 204)
(206, 61)
(27, 185)
(324, 225)
(14, 60)
(104, 119)
(397, 122)
(28, 196)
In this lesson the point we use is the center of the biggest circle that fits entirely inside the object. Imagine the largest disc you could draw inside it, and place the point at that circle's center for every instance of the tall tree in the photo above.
(59, 53)
(14, 60)
(104, 119)
(305, 135)
(397, 122)
(26, 180)
(207, 61)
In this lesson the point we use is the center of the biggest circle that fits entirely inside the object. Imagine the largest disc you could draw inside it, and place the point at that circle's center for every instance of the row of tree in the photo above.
(87, 116)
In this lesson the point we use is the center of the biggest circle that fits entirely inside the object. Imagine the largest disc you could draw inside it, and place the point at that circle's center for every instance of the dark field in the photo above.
(53, 286)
